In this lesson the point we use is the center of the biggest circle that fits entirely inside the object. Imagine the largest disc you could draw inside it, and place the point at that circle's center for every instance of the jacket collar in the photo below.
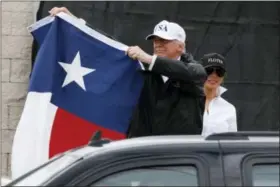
(187, 57)
(220, 91)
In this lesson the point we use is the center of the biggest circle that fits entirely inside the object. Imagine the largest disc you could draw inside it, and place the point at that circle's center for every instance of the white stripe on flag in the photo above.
(31, 141)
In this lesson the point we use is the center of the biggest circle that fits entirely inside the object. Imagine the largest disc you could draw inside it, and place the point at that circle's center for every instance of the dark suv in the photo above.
(227, 159)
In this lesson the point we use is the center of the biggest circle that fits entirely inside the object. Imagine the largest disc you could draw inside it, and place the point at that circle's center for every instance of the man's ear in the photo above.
(181, 47)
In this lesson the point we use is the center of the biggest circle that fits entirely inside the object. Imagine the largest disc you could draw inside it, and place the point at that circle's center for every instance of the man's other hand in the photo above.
(137, 53)
(55, 10)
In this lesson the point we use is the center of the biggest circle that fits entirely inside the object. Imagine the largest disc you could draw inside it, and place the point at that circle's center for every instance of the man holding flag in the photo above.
(172, 99)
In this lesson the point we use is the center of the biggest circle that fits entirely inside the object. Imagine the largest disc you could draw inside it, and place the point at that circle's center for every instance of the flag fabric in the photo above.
(82, 82)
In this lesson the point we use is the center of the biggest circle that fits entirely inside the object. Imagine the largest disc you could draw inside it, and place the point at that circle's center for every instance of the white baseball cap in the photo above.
(168, 31)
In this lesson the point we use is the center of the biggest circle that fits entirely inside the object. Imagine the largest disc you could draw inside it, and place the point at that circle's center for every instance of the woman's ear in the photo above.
(223, 79)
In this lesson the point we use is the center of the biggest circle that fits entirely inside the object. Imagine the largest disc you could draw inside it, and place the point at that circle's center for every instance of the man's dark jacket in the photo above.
(172, 108)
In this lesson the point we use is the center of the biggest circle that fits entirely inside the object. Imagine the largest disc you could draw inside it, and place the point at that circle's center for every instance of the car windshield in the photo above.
(38, 177)
(43, 174)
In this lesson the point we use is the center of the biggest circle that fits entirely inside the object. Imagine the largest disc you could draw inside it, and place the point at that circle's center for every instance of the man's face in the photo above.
(215, 77)
(167, 48)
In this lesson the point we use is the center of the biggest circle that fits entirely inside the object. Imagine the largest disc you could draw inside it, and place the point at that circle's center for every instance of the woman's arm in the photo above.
(233, 122)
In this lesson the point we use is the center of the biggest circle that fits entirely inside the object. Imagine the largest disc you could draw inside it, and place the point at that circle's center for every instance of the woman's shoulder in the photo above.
(226, 104)
(222, 101)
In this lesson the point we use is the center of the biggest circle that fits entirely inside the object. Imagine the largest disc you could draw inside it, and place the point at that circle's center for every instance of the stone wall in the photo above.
(16, 64)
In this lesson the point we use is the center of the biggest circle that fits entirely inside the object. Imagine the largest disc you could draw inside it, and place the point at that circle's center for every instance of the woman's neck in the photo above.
(210, 93)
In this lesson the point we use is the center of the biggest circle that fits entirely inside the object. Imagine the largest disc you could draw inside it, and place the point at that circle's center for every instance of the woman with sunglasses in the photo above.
(219, 115)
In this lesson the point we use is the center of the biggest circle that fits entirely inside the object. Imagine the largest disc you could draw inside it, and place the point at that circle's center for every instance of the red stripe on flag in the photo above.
(70, 131)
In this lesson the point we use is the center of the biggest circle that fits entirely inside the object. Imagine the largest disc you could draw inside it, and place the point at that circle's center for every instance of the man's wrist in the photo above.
(149, 59)
(154, 57)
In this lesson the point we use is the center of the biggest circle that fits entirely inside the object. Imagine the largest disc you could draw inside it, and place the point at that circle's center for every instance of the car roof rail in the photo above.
(241, 135)
(97, 141)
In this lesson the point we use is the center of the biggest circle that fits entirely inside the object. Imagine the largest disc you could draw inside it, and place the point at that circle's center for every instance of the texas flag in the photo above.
(82, 82)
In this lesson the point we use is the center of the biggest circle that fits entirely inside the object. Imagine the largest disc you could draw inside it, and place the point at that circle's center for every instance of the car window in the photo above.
(153, 176)
(265, 175)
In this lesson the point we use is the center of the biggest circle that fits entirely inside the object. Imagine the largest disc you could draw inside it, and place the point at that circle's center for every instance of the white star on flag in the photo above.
(75, 72)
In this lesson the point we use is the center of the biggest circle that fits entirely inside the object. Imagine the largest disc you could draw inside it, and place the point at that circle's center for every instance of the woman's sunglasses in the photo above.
(219, 71)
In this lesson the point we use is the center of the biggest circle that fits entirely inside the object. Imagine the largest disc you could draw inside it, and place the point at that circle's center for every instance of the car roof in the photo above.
(159, 141)
(139, 143)
(187, 140)
(227, 139)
